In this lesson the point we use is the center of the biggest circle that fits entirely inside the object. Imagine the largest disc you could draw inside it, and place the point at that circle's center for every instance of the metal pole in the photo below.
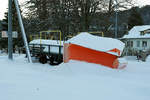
(116, 21)
(23, 31)
(10, 47)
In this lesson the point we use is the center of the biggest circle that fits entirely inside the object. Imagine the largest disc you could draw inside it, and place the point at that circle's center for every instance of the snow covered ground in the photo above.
(75, 80)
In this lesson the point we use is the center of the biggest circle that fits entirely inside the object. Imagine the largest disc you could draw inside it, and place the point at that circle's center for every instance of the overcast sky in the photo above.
(4, 5)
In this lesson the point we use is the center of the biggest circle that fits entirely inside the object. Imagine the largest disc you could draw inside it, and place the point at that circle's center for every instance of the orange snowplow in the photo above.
(93, 49)
(76, 52)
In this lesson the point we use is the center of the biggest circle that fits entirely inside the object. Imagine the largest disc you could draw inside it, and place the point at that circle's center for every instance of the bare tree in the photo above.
(72, 16)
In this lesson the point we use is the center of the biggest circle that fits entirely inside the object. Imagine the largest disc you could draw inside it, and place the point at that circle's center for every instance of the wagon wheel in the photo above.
(51, 59)
(43, 59)
(59, 59)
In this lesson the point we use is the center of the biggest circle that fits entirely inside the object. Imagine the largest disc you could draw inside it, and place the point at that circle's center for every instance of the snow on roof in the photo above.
(97, 43)
(135, 32)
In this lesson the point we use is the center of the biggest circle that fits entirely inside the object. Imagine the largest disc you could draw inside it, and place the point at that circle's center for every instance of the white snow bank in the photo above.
(122, 60)
(72, 81)
(46, 42)
(131, 58)
(135, 32)
(148, 59)
(53, 49)
(97, 43)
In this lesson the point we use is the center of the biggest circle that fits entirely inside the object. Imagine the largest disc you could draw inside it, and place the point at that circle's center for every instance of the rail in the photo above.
(46, 49)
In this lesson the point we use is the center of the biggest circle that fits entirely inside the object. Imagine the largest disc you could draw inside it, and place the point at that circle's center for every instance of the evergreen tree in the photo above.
(134, 18)
(3, 41)
(5, 22)
(15, 27)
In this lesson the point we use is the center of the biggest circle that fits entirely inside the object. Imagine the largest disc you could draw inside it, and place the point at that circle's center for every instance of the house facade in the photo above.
(137, 40)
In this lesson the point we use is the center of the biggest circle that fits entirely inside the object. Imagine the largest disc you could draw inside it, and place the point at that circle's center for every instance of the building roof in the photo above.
(135, 32)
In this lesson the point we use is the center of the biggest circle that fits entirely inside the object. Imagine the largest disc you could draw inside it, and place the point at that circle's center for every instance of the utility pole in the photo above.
(23, 31)
(10, 44)
(116, 20)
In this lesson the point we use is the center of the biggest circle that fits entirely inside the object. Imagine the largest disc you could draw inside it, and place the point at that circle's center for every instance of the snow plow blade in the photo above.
(80, 53)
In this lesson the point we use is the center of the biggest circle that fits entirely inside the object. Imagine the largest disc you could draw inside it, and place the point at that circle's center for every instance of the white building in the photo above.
(137, 39)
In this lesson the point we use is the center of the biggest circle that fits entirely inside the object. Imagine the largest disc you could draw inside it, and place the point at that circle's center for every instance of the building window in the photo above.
(138, 43)
(129, 43)
(144, 43)
(142, 33)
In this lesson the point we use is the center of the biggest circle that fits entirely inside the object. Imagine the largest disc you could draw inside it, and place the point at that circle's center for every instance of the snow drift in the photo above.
(75, 80)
